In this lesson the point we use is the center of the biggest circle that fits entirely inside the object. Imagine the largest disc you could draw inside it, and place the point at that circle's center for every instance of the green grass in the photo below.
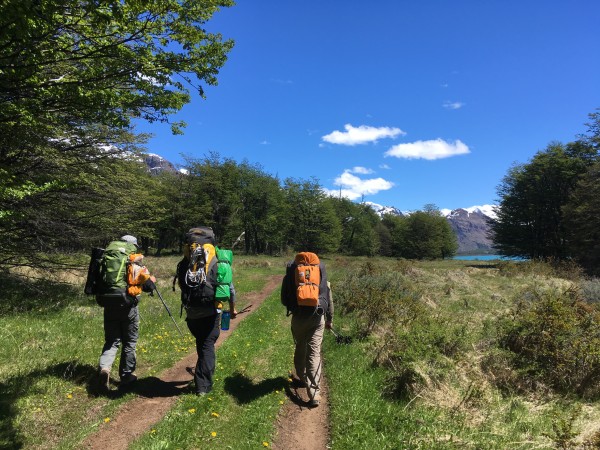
(51, 337)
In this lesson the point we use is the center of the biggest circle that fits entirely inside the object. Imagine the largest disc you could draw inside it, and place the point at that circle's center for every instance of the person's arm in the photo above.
(232, 309)
(329, 311)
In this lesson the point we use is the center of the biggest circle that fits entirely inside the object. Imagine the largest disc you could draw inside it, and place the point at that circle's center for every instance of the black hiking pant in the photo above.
(206, 330)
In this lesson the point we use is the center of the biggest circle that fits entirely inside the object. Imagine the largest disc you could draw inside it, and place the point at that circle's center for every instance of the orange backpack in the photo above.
(307, 277)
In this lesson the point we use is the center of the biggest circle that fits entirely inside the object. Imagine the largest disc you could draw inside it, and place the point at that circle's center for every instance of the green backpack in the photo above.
(224, 274)
(112, 282)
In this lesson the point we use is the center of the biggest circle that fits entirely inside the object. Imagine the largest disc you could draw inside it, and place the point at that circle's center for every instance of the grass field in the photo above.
(425, 374)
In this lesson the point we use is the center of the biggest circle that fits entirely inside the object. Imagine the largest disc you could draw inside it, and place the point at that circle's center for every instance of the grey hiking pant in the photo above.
(308, 336)
(121, 326)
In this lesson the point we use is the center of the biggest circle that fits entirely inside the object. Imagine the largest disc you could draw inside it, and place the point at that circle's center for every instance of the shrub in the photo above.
(590, 290)
(378, 296)
(555, 338)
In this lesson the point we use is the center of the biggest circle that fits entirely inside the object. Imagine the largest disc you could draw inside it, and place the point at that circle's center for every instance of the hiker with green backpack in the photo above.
(205, 278)
(306, 294)
(117, 278)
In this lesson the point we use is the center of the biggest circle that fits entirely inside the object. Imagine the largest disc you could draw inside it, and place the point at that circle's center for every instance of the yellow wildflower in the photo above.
(214, 414)
(265, 444)
(106, 419)
(192, 410)
(213, 433)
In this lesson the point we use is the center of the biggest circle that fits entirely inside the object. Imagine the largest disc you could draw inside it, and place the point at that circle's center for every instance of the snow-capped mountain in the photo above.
(157, 163)
(486, 210)
(382, 210)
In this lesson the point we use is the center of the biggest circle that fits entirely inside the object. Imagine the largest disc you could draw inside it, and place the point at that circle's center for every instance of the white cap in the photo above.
(129, 238)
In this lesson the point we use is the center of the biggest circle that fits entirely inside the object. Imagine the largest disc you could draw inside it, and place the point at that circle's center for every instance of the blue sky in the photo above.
(406, 102)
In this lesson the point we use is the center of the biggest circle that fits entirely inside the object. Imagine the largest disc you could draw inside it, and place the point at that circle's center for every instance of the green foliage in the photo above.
(380, 295)
(555, 339)
(530, 219)
(360, 223)
(312, 224)
(423, 234)
(74, 75)
(582, 220)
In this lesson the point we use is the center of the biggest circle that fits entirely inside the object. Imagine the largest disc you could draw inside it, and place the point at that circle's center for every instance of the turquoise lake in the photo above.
(485, 258)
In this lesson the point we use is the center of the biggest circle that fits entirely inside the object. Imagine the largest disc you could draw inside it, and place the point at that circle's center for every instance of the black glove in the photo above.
(148, 286)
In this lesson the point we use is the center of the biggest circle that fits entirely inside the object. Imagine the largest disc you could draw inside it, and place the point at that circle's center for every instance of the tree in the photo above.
(359, 227)
(426, 234)
(262, 210)
(532, 196)
(73, 76)
(312, 224)
(583, 221)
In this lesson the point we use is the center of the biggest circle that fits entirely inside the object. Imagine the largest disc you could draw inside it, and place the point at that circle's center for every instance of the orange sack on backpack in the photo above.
(307, 278)
(137, 274)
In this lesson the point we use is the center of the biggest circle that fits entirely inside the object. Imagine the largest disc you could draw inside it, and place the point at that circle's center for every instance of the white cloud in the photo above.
(264, 142)
(352, 187)
(384, 166)
(361, 134)
(453, 105)
(430, 150)
(360, 170)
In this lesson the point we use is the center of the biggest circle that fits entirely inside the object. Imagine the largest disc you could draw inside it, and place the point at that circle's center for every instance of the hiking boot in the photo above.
(104, 379)
(128, 378)
(313, 402)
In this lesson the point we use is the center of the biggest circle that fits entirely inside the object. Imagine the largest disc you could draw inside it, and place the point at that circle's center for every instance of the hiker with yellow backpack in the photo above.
(306, 294)
(117, 277)
(205, 278)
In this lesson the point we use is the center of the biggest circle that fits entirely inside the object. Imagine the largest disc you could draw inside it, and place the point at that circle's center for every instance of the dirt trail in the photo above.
(303, 428)
(156, 396)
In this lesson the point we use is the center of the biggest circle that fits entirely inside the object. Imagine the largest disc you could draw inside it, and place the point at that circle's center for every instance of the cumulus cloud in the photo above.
(361, 134)
(264, 142)
(360, 170)
(352, 187)
(430, 150)
(453, 105)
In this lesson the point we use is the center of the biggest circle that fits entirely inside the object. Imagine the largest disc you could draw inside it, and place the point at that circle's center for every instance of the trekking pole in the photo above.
(246, 309)
(167, 308)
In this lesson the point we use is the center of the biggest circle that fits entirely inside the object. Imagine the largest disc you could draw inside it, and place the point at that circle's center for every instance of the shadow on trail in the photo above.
(244, 390)
(84, 375)
(294, 397)
(153, 387)
(14, 388)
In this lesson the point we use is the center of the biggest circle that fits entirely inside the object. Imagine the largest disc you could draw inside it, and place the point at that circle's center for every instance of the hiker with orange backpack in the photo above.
(205, 279)
(306, 294)
(122, 277)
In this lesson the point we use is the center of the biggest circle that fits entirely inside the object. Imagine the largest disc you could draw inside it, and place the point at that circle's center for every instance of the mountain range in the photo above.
(471, 225)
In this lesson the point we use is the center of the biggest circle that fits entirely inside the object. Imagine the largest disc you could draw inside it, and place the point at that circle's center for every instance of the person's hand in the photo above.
(232, 311)
(153, 278)
(328, 324)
